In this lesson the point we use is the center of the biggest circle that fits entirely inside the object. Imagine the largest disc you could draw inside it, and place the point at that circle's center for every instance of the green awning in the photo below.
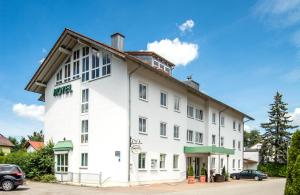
(65, 145)
(207, 150)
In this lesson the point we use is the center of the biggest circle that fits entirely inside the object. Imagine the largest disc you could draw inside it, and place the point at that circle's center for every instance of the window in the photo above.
(84, 159)
(142, 125)
(76, 64)
(162, 161)
(59, 77)
(163, 99)
(85, 101)
(95, 65)
(176, 132)
(106, 64)
(177, 103)
(155, 63)
(84, 131)
(67, 71)
(161, 66)
(239, 164)
(213, 162)
(239, 145)
(233, 125)
(143, 91)
(190, 111)
(222, 121)
(62, 162)
(142, 161)
(233, 163)
(222, 141)
(189, 136)
(85, 64)
(167, 69)
(163, 129)
(199, 114)
(239, 127)
(198, 138)
(153, 164)
(222, 163)
(175, 161)
(213, 139)
(233, 144)
(214, 118)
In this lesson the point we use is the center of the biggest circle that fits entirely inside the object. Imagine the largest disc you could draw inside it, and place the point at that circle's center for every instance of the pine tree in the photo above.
(276, 136)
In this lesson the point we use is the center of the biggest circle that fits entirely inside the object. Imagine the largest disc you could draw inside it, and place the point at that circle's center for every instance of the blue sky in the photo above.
(245, 50)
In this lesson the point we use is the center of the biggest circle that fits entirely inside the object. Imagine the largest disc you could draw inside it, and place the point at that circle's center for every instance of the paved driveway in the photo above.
(242, 187)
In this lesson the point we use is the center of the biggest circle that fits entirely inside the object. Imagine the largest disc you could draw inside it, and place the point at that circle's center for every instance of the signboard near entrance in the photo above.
(62, 90)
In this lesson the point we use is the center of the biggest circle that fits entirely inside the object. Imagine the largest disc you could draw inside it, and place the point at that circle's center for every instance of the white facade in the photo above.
(114, 109)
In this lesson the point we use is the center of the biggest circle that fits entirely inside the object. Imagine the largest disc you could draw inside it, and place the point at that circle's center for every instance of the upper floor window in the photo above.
(198, 138)
(168, 70)
(163, 99)
(177, 103)
(59, 77)
(95, 65)
(239, 145)
(239, 127)
(162, 161)
(76, 64)
(143, 91)
(222, 141)
(84, 159)
(85, 101)
(85, 51)
(163, 129)
(234, 125)
(67, 71)
(213, 139)
(142, 161)
(85, 68)
(214, 118)
(190, 111)
(155, 63)
(199, 114)
(76, 55)
(222, 121)
(189, 136)
(84, 131)
(106, 64)
(176, 132)
(142, 125)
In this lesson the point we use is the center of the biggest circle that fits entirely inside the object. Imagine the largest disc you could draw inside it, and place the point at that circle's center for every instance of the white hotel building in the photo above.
(100, 98)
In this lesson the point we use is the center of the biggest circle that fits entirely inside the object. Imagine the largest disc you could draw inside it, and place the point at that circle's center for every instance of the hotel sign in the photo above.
(62, 90)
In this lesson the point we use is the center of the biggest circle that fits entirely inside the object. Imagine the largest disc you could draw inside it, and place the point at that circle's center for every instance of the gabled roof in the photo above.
(35, 144)
(5, 142)
(68, 39)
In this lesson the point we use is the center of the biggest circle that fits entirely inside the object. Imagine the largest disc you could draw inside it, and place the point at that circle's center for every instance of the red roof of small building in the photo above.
(5, 142)
(35, 144)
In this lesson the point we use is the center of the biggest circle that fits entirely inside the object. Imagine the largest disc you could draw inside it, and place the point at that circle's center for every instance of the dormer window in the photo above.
(85, 64)
(59, 77)
(106, 65)
(76, 64)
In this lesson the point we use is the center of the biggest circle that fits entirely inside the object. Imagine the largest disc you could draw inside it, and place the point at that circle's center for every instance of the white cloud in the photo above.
(179, 53)
(295, 116)
(187, 25)
(29, 111)
(41, 60)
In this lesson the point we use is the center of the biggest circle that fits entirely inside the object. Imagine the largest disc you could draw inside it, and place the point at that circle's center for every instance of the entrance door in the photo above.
(197, 167)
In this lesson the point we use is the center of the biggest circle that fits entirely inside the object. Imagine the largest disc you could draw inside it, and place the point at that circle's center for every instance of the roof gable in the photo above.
(5, 142)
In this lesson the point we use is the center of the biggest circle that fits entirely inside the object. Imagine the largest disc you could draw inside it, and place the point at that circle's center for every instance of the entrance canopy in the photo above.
(65, 145)
(207, 150)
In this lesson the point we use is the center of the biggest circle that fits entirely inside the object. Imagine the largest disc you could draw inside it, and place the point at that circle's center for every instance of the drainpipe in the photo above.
(129, 117)
(220, 112)
(243, 142)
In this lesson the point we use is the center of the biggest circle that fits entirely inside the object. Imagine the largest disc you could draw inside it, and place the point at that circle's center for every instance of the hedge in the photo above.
(273, 169)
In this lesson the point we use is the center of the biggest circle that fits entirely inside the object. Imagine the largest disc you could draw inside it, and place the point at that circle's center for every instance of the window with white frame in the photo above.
(153, 164)
(85, 64)
(84, 159)
(222, 141)
(199, 114)
(176, 132)
(95, 64)
(142, 124)
(67, 71)
(214, 118)
(163, 129)
(222, 121)
(233, 125)
(239, 164)
(163, 99)
(155, 63)
(177, 103)
(190, 111)
(76, 64)
(213, 139)
(85, 101)
(84, 131)
(233, 144)
(175, 161)
(142, 91)
(161, 66)
(198, 138)
(222, 162)
(62, 163)
(142, 161)
(168, 70)
(240, 127)
(189, 136)
(213, 162)
(233, 163)
(162, 161)
(59, 77)
(239, 145)
(106, 64)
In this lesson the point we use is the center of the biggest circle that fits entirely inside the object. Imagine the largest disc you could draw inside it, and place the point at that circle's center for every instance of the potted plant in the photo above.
(203, 175)
(225, 174)
(191, 176)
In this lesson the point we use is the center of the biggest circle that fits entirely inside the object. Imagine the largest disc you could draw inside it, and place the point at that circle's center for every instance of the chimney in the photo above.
(117, 41)
(190, 82)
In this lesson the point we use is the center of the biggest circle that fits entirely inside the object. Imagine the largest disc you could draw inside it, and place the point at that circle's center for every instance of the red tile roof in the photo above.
(35, 144)
(5, 142)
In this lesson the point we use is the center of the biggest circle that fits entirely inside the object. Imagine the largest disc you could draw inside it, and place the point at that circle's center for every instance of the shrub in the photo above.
(203, 171)
(223, 171)
(48, 178)
(273, 169)
(190, 171)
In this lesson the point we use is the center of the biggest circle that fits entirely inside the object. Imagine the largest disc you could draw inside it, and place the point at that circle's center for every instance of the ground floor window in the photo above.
(84, 159)
(162, 162)
(153, 164)
(239, 164)
(175, 161)
(213, 162)
(222, 163)
(142, 160)
(233, 163)
(62, 162)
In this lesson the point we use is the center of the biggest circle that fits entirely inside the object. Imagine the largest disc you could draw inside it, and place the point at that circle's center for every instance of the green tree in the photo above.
(293, 167)
(276, 136)
(19, 144)
(37, 136)
(251, 138)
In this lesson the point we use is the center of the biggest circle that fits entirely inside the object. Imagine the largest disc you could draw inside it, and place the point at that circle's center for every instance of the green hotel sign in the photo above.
(62, 90)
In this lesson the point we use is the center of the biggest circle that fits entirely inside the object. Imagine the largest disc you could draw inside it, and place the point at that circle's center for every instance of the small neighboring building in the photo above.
(32, 146)
(251, 157)
(5, 145)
